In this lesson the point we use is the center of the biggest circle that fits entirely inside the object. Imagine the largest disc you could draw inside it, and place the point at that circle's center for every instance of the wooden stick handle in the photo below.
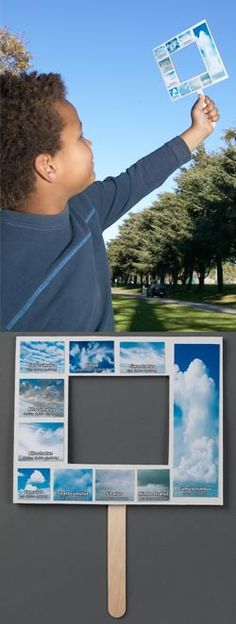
(116, 559)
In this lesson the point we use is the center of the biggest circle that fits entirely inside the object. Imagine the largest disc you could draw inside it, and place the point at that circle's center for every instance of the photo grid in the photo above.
(215, 71)
(194, 473)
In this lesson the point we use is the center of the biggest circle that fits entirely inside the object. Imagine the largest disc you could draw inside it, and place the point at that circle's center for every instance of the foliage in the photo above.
(190, 229)
(14, 55)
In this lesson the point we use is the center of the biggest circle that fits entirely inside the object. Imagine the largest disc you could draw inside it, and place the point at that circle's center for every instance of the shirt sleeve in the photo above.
(115, 196)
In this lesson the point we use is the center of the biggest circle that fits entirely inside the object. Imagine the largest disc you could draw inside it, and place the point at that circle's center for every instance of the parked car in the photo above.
(158, 290)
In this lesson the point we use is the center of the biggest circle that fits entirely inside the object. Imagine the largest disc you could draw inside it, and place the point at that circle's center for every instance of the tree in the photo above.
(208, 190)
(14, 56)
(190, 229)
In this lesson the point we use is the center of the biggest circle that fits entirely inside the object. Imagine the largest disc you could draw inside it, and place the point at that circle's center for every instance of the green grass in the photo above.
(208, 295)
(150, 315)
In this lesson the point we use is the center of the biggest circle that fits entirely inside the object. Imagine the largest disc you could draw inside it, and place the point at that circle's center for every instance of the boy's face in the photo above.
(74, 162)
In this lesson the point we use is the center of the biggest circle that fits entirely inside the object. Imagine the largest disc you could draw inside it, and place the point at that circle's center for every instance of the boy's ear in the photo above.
(45, 167)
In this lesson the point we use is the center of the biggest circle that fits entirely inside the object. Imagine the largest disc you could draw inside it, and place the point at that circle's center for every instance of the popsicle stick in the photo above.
(116, 559)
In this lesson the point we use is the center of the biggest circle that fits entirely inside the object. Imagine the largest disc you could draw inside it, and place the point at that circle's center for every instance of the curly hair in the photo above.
(30, 126)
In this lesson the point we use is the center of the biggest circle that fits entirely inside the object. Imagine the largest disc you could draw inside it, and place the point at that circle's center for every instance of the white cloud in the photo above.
(36, 477)
(36, 437)
(42, 353)
(94, 353)
(73, 479)
(213, 61)
(29, 486)
(74, 350)
(142, 354)
(196, 396)
(114, 480)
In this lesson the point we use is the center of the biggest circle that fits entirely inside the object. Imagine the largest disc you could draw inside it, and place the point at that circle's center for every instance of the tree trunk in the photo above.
(174, 277)
(201, 280)
(162, 276)
(190, 279)
(220, 279)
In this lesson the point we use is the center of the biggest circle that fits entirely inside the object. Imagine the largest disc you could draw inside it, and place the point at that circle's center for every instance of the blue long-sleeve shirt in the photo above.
(55, 274)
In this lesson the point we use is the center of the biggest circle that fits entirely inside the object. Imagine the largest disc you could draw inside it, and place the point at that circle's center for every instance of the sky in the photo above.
(41, 356)
(115, 484)
(209, 353)
(52, 389)
(142, 357)
(40, 438)
(41, 397)
(196, 413)
(103, 50)
(32, 480)
(92, 356)
(71, 481)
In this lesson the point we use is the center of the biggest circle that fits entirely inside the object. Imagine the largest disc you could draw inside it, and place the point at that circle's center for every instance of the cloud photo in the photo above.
(195, 83)
(40, 441)
(41, 356)
(172, 45)
(115, 485)
(186, 38)
(196, 420)
(34, 484)
(73, 484)
(41, 397)
(93, 356)
(209, 52)
(142, 357)
(166, 65)
(160, 52)
(174, 93)
(153, 484)
(171, 79)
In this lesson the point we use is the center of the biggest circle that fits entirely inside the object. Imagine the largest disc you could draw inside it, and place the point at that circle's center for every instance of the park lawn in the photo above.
(134, 314)
(208, 295)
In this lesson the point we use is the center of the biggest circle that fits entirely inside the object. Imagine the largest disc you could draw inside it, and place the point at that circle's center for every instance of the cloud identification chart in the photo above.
(213, 69)
(193, 474)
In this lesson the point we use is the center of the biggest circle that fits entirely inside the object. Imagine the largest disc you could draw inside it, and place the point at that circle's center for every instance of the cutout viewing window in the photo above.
(106, 427)
(120, 426)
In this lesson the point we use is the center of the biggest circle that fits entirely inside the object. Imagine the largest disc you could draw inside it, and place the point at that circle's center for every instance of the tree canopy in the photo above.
(14, 55)
(190, 229)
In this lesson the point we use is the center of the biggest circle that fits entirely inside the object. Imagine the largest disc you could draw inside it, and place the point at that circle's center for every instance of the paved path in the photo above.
(193, 304)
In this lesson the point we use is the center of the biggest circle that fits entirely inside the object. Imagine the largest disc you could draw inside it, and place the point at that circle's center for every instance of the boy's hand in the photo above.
(204, 115)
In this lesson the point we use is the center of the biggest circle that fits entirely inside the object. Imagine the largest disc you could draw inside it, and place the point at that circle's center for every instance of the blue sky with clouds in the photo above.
(50, 389)
(196, 412)
(32, 482)
(73, 484)
(42, 356)
(45, 440)
(209, 353)
(145, 357)
(41, 397)
(104, 52)
(91, 356)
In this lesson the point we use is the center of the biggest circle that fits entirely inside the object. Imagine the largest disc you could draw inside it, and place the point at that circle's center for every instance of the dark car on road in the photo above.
(158, 290)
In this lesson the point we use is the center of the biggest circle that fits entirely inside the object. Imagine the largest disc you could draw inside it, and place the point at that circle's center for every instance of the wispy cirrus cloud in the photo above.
(144, 357)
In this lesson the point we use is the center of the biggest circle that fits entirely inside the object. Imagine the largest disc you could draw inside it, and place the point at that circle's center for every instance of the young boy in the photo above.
(55, 274)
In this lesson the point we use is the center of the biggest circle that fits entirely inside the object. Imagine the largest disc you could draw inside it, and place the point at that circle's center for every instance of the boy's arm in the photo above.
(115, 196)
